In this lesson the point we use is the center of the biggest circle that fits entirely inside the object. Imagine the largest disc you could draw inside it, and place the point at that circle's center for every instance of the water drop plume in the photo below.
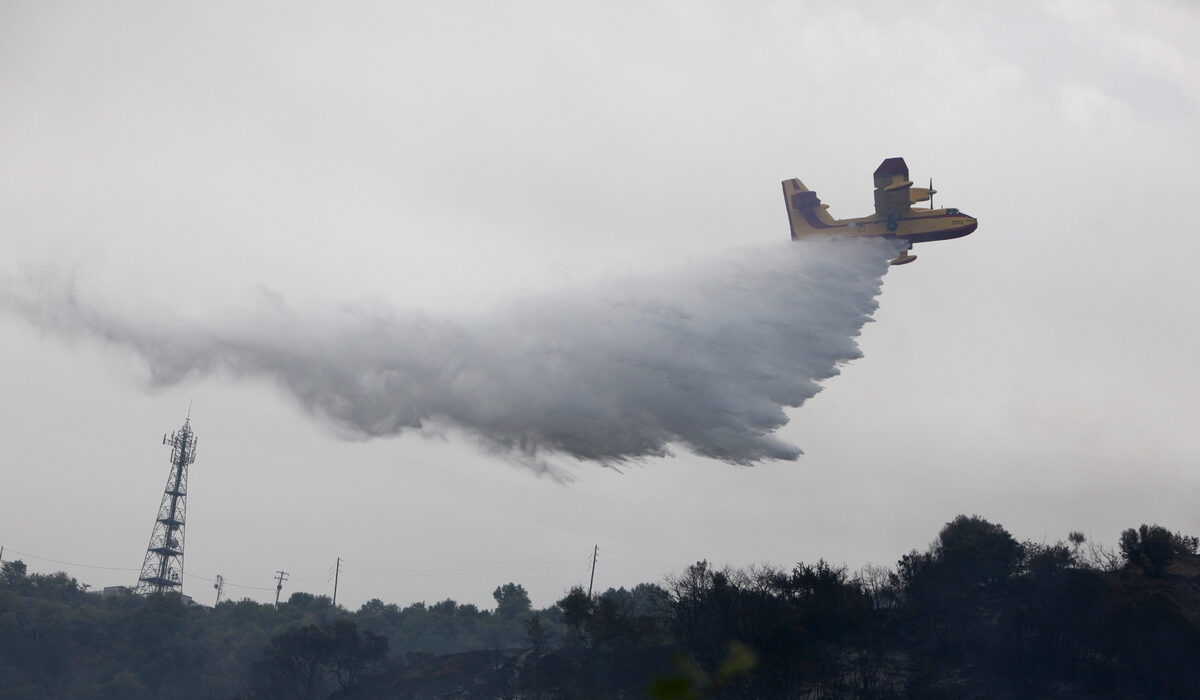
(706, 357)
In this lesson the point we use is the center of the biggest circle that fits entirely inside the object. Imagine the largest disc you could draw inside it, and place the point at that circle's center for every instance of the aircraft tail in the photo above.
(806, 214)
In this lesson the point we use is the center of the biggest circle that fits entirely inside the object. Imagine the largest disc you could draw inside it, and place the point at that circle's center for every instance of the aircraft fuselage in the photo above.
(917, 226)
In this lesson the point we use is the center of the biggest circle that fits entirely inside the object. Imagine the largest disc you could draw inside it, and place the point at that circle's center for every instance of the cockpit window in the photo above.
(953, 211)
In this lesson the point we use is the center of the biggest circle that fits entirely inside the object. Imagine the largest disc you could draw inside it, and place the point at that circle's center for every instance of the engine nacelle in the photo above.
(920, 194)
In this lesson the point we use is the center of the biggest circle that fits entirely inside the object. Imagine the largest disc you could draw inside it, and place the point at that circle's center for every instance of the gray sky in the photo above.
(185, 165)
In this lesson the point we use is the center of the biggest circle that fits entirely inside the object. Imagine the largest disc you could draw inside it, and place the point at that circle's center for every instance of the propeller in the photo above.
(931, 193)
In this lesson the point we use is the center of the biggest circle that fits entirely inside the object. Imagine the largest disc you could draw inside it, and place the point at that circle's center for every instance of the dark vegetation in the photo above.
(975, 615)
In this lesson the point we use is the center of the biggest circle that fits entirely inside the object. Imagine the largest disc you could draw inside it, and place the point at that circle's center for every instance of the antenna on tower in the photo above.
(162, 569)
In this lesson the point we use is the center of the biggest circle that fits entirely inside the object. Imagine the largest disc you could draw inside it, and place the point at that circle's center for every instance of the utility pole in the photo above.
(220, 586)
(337, 570)
(595, 551)
(280, 577)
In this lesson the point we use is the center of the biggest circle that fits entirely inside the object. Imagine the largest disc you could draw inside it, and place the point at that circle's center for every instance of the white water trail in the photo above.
(706, 357)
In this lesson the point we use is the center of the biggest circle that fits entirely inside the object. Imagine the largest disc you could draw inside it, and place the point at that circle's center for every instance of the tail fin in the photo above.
(806, 214)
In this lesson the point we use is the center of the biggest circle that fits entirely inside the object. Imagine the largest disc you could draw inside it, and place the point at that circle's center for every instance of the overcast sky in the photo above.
(185, 167)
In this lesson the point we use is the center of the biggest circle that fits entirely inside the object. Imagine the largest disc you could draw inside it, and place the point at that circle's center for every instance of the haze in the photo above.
(188, 169)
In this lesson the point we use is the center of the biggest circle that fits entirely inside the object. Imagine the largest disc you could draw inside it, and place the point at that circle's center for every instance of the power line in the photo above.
(638, 564)
(463, 569)
(27, 555)
(227, 583)
(640, 558)
(519, 561)
(327, 576)
(350, 568)
(70, 563)
(575, 562)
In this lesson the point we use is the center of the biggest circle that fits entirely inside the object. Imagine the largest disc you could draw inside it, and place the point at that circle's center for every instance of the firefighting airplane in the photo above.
(894, 216)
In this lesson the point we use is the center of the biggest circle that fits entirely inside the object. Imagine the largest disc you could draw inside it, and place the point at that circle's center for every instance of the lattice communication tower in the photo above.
(162, 571)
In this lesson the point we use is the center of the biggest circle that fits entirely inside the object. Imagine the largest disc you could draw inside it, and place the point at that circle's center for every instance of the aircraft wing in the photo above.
(892, 188)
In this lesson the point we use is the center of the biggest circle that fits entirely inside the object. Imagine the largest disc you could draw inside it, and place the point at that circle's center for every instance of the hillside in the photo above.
(975, 615)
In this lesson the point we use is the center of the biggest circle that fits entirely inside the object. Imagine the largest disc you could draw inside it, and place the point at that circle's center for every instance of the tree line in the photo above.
(974, 614)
